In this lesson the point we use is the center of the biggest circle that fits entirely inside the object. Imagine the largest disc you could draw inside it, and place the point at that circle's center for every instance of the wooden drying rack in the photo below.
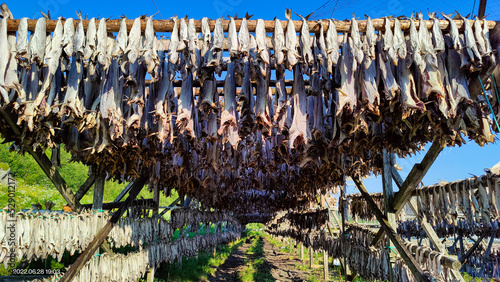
(314, 27)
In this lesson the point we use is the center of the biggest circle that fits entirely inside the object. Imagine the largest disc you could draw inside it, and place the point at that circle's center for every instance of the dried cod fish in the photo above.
(305, 43)
(244, 38)
(356, 44)
(91, 38)
(332, 45)
(232, 39)
(470, 43)
(278, 46)
(37, 43)
(173, 55)
(291, 43)
(369, 42)
(185, 122)
(437, 34)
(229, 126)
(399, 40)
(121, 39)
(22, 38)
(347, 96)
(262, 50)
(299, 131)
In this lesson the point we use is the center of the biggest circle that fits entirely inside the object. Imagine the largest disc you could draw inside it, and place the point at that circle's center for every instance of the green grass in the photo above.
(197, 269)
(255, 269)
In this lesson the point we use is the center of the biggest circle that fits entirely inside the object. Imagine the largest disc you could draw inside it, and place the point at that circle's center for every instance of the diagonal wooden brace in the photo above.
(409, 186)
(47, 166)
(103, 233)
(398, 243)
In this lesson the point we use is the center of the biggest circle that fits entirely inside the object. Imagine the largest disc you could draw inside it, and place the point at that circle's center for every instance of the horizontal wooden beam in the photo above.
(449, 262)
(391, 233)
(168, 25)
(149, 203)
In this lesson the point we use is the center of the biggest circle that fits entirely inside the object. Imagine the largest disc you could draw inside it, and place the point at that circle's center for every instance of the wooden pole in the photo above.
(311, 257)
(86, 185)
(156, 198)
(474, 247)
(398, 243)
(415, 176)
(325, 266)
(103, 233)
(482, 9)
(343, 215)
(388, 193)
(314, 27)
(46, 165)
(99, 191)
(301, 252)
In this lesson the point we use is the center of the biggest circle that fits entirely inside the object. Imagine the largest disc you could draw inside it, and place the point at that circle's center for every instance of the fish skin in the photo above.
(262, 50)
(149, 52)
(347, 98)
(71, 100)
(322, 55)
(291, 43)
(232, 38)
(173, 55)
(91, 38)
(437, 34)
(38, 41)
(261, 110)
(332, 45)
(478, 34)
(370, 98)
(134, 48)
(53, 61)
(299, 131)
(453, 33)
(184, 121)
(470, 42)
(305, 43)
(244, 38)
(282, 116)
(205, 31)
(388, 41)
(218, 36)
(278, 46)
(369, 42)
(102, 44)
(391, 88)
(22, 39)
(121, 39)
(413, 47)
(408, 90)
(194, 50)
(4, 60)
(399, 40)
(229, 125)
(447, 104)
(356, 45)
(431, 82)
(79, 40)
(183, 34)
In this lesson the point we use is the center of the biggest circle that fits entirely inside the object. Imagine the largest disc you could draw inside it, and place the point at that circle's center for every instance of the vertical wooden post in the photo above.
(311, 257)
(482, 9)
(291, 245)
(388, 193)
(156, 200)
(301, 252)
(325, 265)
(99, 191)
(343, 214)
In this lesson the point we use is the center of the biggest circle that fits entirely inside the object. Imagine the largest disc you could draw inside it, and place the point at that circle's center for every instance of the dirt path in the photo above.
(280, 266)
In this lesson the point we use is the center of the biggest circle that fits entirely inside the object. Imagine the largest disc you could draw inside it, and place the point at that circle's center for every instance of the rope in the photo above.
(496, 89)
(391, 248)
(489, 104)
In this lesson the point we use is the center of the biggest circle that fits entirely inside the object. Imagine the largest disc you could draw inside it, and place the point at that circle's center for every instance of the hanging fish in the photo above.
(262, 50)
(278, 47)
(356, 44)
(232, 39)
(291, 43)
(399, 40)
(470, 43)
(437, 35)
(332, 46)
(229, 126)
(299, 131)
(173, 55)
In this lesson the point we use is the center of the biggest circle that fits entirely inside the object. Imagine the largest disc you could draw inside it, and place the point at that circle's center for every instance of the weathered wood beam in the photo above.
(314, 27)
(169, 206)
(97, 203)
(476, 244)
(388, 193)
(415, 176)
(398, 243)
(46, 165)
(85, 186)
(123, 193)
(109, 206)
(482, 9)
(103, 233)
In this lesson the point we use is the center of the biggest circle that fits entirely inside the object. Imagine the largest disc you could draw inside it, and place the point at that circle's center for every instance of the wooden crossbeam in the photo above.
(149, 203)
(123, 193)
(103, 233)
(393, 236)
(169, 206)
(85, 187)
(46, 165)
(476, 244)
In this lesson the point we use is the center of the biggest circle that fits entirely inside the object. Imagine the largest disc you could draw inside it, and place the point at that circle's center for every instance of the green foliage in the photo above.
(255, 268)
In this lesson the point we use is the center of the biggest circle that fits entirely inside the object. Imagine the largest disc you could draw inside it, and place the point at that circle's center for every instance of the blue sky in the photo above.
(452, 164)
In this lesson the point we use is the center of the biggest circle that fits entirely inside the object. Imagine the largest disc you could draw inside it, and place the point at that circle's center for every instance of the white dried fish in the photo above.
(399, 40)
(232, 39)
(291, 43)
(91, 38)
(369, 43)
(121, 39)
(437, 34)
(194, 50)
(229, 126)
(174, 43)
(183, 34)
(22, 38)
(305, 43)
(470, 42)
(262, 50)
(102, 44)
(150, 53)
(332, 46)
(478, 34)
(454, 34)
(4, 59)
(278, 43)
(38, 41)
(79, 40)
(356, 45)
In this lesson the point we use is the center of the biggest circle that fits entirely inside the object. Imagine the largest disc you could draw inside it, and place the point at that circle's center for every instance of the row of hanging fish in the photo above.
(481, 267)
(477, 199)
(134, 265)
(412, 228)
(304, 220)
(193, 217)
(430, 261)
(359, 208)
(87, 89)
(40, 234)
